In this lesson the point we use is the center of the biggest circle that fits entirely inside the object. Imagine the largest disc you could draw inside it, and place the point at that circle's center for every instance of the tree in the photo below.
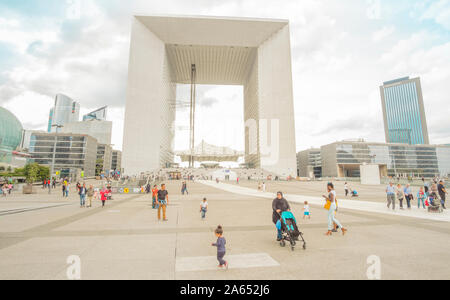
(44, 172)
(98, 167)
(32, 172)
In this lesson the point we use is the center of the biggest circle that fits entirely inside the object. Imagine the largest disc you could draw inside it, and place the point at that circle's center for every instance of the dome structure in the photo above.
(10, 130)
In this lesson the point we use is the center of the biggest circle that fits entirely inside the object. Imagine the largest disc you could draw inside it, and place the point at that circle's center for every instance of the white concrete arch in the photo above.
(254, 53)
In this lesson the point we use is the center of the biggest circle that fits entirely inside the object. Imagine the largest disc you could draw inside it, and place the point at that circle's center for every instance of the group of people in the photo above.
(86, 194)
(6, 189)
(426, 196)
(160, 201)
(92, 194)
(49, 183)
(280, 205)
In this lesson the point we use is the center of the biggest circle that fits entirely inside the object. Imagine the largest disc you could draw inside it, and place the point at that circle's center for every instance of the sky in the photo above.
(342, 51)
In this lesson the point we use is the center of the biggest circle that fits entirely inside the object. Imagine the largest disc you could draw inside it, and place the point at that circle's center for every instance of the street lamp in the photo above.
(54, 149)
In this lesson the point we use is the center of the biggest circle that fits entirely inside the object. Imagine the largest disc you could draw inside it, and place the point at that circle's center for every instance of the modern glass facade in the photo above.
(72, 151)
(403, 110)
(10, 136)
(396, 159)
(99, 114)
(65, 111)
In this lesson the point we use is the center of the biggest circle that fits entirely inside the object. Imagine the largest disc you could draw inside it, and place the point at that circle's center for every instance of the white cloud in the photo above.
(439, 11)
(31, 109)
(383, 33)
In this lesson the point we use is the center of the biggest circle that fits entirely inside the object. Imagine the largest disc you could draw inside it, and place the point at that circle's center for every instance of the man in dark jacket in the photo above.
(279, 205)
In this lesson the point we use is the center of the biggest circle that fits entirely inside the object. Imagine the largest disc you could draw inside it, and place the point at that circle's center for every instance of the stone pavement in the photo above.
(125, 240)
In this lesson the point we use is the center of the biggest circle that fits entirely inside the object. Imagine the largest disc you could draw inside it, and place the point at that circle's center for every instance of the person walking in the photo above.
(279, 205)
(331, 202)
(346, 189)
(67, 189)
(82, 192)
(408, 195)
(4, 190)
(90, 194)
(306, 211)
(162, 201)
(400, 195)
(103, 196)
(184, 188)
(390, 193)
(442, 192)
(221, 250)
(421, 196)
(154, 196)
(49, 186)
(204, 208)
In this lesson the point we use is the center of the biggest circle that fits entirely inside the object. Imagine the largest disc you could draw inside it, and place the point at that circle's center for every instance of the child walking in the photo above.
(204, 208)
(220, 244)
(307, 213)
(421, 197)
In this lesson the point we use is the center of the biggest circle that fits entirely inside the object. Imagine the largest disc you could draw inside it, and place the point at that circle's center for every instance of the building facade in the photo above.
(100, 130)
(99, 114)
(65, 111)
(343, 159)
(104, 158)
(72, 151)
(404, 112)
(309, 163)
(253, 53)
(116, 162)
(11, 132)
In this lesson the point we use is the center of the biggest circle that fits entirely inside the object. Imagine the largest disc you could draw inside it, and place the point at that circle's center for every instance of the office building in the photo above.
(310, 163)
(404, 112)
(99, 114)
(98, 129)
(116, 161)
(343, 159)
(73, 152)
(104, 159)
(65, 111)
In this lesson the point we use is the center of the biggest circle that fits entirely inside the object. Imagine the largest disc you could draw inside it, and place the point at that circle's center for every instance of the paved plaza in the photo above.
(124, 240)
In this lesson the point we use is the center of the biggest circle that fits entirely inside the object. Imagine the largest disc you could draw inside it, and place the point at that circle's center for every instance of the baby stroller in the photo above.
(289, 230)
(433, 205)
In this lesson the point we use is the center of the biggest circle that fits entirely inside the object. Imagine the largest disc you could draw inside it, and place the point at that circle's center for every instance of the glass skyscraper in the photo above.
(65, 111)
(99, 114)
(404, 112)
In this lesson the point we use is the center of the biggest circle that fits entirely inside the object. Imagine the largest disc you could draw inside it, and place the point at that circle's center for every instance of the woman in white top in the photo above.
(332, 211)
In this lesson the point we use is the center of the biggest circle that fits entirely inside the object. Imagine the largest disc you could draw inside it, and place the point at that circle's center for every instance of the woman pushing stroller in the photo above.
(285, 222)
(279, 205)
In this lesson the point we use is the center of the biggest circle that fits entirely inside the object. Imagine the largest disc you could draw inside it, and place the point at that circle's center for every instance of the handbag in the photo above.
(327, 205)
